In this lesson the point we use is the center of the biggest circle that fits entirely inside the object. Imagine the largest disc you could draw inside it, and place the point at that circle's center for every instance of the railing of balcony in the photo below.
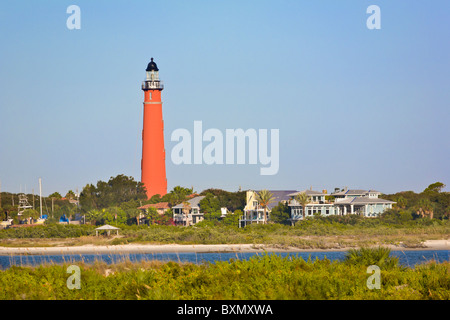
(155, 84)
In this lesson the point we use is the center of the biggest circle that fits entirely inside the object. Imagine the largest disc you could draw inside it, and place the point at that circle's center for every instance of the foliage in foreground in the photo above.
(260, 277)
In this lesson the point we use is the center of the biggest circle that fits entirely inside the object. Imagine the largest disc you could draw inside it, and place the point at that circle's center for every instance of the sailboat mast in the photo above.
(40, 195)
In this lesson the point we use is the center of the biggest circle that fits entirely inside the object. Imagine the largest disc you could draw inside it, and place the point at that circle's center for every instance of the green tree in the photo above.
(265, 198)
(303, 199)
(401, 202)
(209, 204)
(280, 213)
(153, 216)
(156, 199)
(232, 219)
(231, 200)
(425, 208)
(30, 214)
(70, 195)
(93, 216)
(88, 198)
(435, 187)
(55, 195)
(71, 210)
(213, 216)
(177, 195)
(117, 190)
(134, 213)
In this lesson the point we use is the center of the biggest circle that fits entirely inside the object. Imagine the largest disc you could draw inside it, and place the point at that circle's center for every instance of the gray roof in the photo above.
(354, 192)
(363, 200)
(194, 202)
(278, 195)
(308, 193)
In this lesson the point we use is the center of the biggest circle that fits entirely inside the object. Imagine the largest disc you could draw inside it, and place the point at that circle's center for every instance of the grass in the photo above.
(259, 278)
(323, 233)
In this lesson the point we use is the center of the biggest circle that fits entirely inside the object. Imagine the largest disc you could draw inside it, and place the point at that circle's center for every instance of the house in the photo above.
(160, 207)
(347, 201)
(317, 204)
(254, 212)
(362, 202)
(188, 212)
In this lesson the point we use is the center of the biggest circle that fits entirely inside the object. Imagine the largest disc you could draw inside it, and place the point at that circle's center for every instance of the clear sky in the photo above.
(355, 107)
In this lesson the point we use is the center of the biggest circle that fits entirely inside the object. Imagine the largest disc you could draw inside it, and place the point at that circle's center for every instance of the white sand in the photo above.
(198, 248)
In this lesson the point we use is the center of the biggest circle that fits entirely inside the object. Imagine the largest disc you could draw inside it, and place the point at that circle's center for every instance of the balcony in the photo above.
(152, 85)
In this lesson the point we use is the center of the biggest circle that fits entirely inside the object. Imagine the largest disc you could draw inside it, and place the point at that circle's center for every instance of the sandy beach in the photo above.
(197, 248)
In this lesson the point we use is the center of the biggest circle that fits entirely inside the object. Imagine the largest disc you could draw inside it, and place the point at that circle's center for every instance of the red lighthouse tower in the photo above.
(153, 166)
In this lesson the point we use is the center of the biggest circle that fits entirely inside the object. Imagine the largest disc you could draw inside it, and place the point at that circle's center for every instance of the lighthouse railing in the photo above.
(148, 85)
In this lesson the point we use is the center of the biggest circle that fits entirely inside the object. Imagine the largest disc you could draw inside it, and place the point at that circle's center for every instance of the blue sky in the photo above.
(355, 107)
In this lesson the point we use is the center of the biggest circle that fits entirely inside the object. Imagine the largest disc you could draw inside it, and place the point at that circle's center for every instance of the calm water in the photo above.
(406, 258)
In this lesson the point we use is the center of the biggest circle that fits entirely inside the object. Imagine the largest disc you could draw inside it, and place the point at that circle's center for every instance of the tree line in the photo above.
(117, 200)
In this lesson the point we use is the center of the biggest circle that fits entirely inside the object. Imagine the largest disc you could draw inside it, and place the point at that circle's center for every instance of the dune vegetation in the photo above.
(267, 276)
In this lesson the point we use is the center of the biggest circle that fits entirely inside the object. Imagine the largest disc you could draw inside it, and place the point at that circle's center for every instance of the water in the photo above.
(406, 258)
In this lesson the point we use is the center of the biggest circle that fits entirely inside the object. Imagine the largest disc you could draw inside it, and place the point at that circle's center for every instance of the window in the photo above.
(149, 96)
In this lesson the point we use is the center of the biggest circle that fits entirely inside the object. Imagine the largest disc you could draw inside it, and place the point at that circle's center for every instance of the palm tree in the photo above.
(134, 213)
(265, 198)
(401, 202)
(186, 209)
(425, 208)
(303, 199)
(92, 216)
(30, 215)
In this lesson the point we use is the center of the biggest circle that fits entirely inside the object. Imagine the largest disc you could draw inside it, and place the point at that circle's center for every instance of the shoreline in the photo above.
(192, 248)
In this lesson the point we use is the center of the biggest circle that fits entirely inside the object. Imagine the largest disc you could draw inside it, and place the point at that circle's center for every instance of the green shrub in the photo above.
(261, 277)
(48, 231)
(372, 256)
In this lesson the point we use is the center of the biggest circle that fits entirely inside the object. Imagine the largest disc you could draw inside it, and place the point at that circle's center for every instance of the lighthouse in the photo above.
(153, 163)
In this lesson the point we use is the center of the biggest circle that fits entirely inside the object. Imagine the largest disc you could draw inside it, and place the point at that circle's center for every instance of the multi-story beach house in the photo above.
(341, 202)
(254, 212)
(362, 202)
(188, 212)
(317, 204)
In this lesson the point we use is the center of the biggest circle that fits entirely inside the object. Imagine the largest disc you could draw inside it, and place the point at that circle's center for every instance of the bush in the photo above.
(372, 256)
(261, 277)
(48, 231)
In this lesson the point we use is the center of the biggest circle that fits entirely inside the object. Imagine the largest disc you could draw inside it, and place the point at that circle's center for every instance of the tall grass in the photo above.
(311, 233)
(261, 277)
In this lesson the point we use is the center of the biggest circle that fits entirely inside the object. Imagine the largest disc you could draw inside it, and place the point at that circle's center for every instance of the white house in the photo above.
(347, 201)
(362, 202)
(317, 205)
